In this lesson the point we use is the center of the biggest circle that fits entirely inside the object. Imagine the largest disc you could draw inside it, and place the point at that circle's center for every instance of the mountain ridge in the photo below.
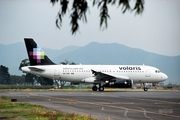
(95, 53)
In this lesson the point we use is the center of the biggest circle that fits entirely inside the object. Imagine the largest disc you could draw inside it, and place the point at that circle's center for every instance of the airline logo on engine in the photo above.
(130, 68)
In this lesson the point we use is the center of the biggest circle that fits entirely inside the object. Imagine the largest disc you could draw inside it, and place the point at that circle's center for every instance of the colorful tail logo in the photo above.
(37, 54)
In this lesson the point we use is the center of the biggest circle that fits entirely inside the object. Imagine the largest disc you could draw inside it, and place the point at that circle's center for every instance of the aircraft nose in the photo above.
(164, 76)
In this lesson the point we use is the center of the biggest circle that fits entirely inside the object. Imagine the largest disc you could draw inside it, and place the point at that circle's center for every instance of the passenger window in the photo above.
(157, 71)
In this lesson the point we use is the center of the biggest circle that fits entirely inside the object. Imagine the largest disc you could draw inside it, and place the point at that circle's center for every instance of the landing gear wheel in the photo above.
(94, 88)
(145, 89)
(101, 88)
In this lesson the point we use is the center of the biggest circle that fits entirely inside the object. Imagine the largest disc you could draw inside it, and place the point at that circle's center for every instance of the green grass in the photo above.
(22, 87)
(15, 111)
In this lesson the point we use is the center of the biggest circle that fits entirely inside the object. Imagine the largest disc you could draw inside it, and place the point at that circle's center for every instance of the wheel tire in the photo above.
(94, 88)
(145, 89)
(101, 88)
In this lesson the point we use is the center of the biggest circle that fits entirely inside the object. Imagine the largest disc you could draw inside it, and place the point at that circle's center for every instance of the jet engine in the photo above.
(89, 80)
(119, 83)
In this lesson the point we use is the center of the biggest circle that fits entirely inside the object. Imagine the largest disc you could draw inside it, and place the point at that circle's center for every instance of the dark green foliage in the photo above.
(31, 79)
(4, 75)
(66, 62)
(79, 9)
(45, 81)
(15, 79)
(23, 63)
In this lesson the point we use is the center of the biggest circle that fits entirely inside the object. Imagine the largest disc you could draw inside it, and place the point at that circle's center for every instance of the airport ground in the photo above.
(107, 105)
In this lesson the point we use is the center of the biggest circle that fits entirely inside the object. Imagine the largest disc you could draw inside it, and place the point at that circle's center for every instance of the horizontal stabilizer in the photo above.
(36, 69)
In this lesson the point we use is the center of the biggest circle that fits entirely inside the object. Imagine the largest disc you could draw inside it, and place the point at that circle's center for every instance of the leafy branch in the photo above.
(79, 9)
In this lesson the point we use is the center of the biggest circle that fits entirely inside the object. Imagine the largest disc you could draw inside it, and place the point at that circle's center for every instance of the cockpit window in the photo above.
(157, 71)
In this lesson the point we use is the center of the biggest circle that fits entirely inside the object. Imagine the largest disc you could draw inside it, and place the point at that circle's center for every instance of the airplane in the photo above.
(115, 76)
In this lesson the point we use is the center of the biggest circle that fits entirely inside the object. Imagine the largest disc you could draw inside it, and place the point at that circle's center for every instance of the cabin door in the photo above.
(147, 72)
(56, 71)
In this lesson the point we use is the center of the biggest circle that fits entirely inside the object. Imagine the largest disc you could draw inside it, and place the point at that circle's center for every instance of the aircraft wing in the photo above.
(104, 76)
(36, 69)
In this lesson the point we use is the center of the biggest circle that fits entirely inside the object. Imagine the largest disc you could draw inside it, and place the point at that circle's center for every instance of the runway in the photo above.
(120, 105)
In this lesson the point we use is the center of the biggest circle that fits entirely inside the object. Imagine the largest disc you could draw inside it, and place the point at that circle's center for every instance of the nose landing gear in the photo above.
(145, 88)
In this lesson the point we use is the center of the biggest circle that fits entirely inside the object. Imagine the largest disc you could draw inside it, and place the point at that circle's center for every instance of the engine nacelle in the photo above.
(119, 83)
(89, 80)
(154, 84)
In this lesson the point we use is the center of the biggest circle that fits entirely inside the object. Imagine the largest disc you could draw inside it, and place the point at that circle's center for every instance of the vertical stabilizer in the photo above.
(36, 55)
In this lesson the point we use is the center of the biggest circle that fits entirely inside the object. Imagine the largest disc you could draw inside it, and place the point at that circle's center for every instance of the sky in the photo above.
(156, 30)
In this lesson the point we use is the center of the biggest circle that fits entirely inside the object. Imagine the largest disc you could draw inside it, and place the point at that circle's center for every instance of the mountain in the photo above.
(11, 55)
(95, 53)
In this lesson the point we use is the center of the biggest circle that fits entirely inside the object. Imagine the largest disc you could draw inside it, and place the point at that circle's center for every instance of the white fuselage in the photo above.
(77, 73)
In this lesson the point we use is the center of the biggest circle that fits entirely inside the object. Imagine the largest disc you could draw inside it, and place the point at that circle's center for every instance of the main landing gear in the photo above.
(95, 88)
(145, 88)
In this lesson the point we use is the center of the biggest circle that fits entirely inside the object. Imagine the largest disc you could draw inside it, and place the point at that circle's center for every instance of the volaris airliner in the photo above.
(116, 76)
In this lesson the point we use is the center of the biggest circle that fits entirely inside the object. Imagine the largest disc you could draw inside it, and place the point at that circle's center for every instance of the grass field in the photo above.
(22, 111)
(77, 88)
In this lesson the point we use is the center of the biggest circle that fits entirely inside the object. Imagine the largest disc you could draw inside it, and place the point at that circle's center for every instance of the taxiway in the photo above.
(120, 105)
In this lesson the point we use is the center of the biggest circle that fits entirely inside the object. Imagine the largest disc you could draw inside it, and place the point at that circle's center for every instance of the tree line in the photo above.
(27, 78)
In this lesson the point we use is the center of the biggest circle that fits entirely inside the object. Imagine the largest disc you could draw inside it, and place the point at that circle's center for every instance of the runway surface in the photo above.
(120, 105)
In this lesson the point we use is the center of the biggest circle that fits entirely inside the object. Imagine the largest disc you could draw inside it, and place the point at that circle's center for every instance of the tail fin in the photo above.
(36, 55)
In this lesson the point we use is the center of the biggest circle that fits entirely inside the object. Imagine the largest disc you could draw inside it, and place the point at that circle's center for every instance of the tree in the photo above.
(80, 7)
(23, 63)
(15, 79)
(66, 62)
(31, 79)
(4, 75)
(45, 81)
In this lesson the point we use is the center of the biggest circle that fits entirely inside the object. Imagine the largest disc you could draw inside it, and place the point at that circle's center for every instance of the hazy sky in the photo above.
(156, 30)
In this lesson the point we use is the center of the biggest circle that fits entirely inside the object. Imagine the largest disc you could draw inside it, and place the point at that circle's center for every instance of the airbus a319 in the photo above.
(116, 76)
